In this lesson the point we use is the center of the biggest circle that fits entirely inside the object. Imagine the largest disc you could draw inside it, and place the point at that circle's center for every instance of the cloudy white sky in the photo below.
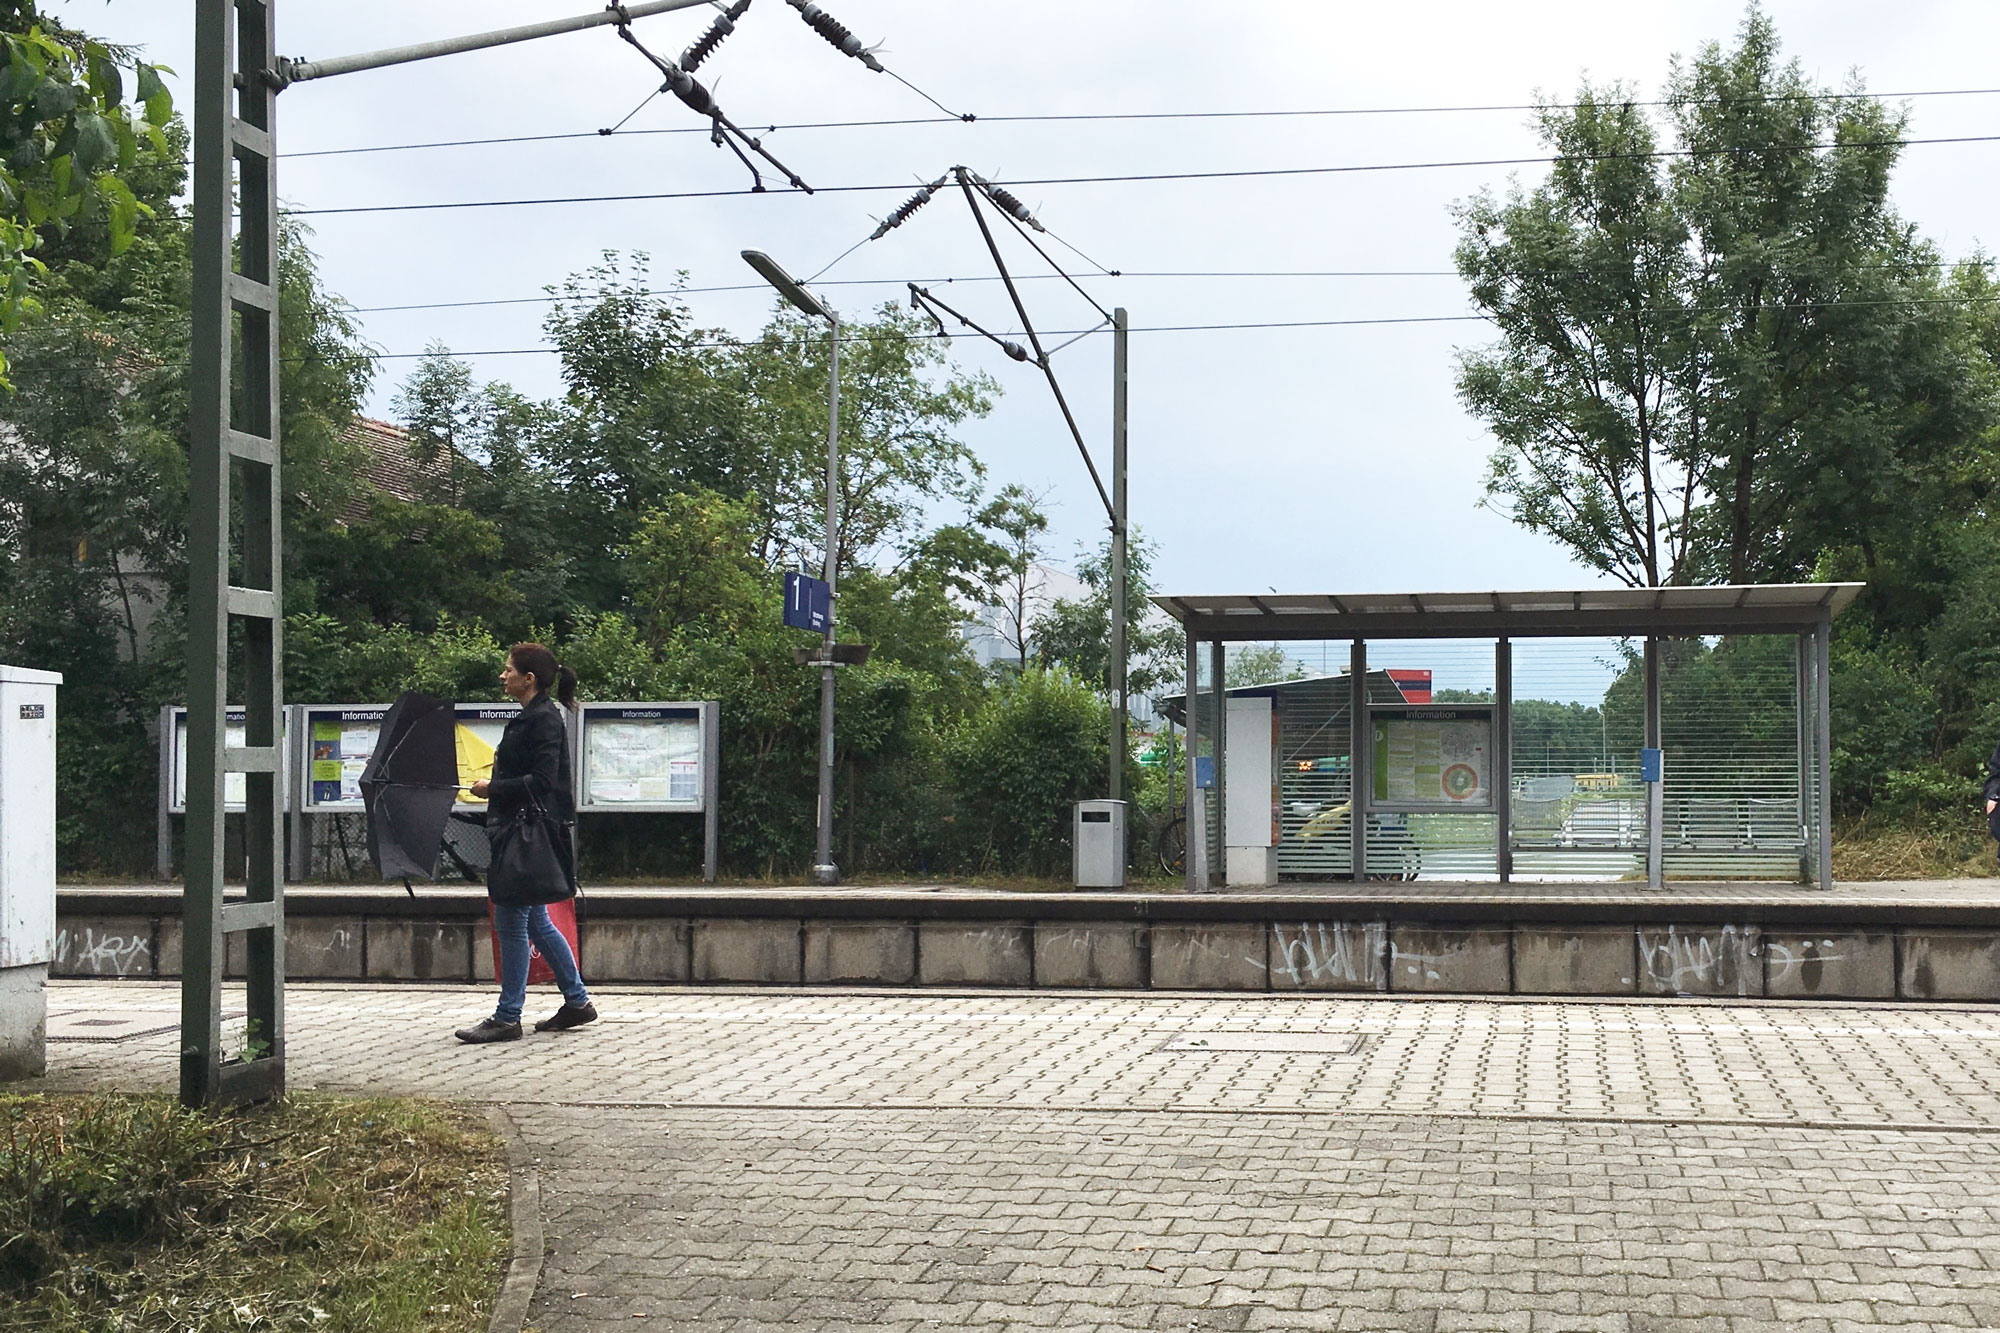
(1305, 459)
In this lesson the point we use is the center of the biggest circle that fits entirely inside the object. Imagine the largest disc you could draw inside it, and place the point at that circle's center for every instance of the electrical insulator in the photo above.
(910, 205)
(690, 91)
(1002, 199)
(831, 28)
(724, 24)
(1012, 205)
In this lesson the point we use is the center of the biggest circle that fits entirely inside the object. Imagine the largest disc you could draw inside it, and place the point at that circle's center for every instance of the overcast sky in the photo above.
(1331, 459)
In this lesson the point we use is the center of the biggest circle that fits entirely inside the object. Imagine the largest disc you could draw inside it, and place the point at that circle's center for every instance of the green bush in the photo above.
(1038, 744)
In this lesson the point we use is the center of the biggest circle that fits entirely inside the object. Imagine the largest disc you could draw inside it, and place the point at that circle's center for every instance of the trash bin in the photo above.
(27, 865)
(1098, 828)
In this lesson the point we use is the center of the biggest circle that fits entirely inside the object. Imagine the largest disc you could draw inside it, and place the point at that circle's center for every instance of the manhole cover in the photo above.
(124, 1027)
(1298, 1043)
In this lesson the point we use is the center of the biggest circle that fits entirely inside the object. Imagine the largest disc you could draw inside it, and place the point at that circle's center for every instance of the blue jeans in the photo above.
(512, 923)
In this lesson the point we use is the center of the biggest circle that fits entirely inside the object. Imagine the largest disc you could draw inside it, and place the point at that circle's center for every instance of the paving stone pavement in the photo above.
(782, 1159)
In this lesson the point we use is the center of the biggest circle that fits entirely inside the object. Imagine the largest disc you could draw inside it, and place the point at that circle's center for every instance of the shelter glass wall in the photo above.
(1733, 793)
(1454, 844)
(1578, 719)
(1739, 796)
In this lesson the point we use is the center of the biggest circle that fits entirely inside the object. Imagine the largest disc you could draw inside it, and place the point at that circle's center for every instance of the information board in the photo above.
(340, 738)
(234, 785)
(1433, 758)
(642, 757)
(338, 744)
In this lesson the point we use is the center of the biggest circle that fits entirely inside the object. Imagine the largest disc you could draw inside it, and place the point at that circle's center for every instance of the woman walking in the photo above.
(529, 798)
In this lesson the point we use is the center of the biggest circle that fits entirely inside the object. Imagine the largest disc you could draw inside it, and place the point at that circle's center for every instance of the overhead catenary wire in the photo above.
(548, 298)
(1076, 117)
(1240, 325)
(1158, 176)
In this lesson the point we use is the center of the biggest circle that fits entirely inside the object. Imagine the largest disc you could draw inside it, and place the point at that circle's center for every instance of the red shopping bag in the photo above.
(563, 916)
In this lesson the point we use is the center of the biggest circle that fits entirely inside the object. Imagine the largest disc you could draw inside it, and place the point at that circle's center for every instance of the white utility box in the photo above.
(27, 866)
(1250, 794)
(1098, 830)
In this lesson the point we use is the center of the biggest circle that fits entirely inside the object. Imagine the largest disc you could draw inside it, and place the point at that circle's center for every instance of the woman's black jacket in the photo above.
(531, 766)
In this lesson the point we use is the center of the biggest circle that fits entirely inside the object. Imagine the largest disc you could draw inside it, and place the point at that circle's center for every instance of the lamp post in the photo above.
(824, 871)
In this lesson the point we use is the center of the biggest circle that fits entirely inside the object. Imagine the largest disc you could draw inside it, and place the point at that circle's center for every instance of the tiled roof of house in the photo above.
(389, 466)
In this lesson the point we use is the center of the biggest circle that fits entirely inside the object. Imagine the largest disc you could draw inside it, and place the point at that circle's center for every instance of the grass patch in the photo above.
(1864, 849)
(121, 1214)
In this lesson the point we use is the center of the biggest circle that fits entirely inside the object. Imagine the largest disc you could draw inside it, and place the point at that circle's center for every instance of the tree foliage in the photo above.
(1715, 363)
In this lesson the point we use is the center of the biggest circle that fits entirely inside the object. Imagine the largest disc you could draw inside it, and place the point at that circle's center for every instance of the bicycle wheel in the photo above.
(1170, 845)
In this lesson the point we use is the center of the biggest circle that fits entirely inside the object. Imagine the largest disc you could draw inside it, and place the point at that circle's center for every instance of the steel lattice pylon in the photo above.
(235, 557)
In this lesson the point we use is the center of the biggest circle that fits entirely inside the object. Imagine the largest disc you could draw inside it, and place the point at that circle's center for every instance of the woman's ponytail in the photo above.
(536, 660)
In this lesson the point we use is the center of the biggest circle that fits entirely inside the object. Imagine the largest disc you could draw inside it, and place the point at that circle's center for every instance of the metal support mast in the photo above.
(1120, 712)
(824, 872)
(233, 476)
(235, 523)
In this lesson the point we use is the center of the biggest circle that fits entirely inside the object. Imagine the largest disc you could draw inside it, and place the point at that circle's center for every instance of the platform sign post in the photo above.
(808, 603)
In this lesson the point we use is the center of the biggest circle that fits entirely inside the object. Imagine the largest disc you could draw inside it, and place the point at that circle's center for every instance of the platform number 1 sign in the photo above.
(808, 603)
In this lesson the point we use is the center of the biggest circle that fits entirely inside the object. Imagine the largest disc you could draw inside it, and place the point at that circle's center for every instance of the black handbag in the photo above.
(528, 864)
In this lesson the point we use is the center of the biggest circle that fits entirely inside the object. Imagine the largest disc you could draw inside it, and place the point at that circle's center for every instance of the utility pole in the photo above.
(824, 871)
(1120, 711)
(233, 472)
(233, 466)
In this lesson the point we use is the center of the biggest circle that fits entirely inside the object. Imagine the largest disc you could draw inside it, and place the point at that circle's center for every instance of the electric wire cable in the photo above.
(951, 118)
(1141, 274)
(1365, 322)
(1158, 176)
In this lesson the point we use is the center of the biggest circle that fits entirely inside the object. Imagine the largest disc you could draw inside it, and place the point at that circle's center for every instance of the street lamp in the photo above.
(824, 871)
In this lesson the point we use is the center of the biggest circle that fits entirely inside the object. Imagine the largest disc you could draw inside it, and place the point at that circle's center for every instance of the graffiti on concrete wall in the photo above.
(1338, 953)
(1710, 961)
(94, 951)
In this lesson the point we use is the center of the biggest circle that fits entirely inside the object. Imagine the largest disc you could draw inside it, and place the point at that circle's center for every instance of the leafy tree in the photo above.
(897, 450)
(1259, 664)
(691, 565)
(1037, 745)
(1717, 368)
(1593, 391)
(1019, 523)
(68, 139)
(1076, 635)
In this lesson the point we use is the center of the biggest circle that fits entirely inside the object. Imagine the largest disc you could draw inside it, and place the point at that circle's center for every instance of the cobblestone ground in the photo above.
(768, 1160)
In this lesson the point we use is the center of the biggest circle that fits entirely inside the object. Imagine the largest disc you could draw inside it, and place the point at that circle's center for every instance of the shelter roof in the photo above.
(1757, 608)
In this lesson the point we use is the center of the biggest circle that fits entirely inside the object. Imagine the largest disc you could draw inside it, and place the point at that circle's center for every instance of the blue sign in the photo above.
(1204, 770)
(1649, 764)
(808, 603)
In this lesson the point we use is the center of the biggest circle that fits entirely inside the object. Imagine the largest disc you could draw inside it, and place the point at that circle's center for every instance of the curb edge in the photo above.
(524, 1194)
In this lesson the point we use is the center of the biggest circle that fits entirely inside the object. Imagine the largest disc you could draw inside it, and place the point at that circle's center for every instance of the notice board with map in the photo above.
(1433, 758)
(234, 785)
(644, 757)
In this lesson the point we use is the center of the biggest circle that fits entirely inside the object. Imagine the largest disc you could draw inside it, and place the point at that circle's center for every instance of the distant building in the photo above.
(990, 633)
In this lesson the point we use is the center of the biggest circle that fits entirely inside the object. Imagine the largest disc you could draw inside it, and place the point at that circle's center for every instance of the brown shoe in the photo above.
(489, 1029)
(567, 1017)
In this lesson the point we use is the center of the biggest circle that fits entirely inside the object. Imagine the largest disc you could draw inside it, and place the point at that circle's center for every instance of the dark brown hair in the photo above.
(537, 661)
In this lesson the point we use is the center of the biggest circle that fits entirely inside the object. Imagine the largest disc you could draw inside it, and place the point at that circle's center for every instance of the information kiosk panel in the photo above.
(643, 757)
(233, 788)
(1433, 758)
(340, 738)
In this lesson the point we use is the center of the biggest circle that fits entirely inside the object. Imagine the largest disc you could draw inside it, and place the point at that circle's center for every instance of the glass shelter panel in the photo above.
(1413, 687)
(1730, 728)
(1578, 714)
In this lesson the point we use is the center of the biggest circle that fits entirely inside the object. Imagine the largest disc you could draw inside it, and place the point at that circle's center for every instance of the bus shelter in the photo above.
(1600, 735)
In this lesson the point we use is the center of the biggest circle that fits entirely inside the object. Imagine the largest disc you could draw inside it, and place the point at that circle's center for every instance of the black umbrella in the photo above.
(409, 785)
